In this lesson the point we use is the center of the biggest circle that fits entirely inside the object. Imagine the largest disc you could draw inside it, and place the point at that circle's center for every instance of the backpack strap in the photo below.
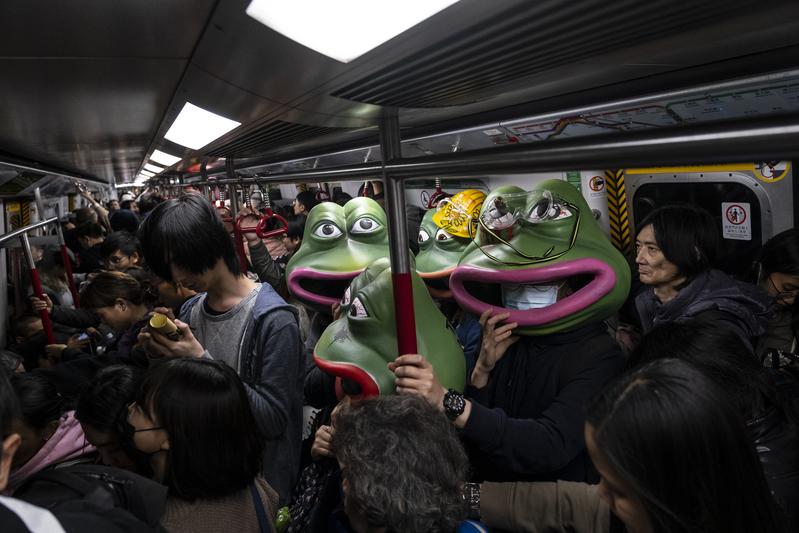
(96, 487)
(259, 509)
(88, 491)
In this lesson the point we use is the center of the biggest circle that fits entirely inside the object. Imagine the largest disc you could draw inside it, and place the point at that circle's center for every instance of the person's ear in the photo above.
(135, 257)
(121, 304)
(10, 447)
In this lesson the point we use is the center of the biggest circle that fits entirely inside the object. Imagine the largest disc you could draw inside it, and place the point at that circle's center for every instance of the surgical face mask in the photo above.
(524, 297)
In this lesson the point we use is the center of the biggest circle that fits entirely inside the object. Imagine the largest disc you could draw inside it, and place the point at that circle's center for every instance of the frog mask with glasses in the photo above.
(540, 256)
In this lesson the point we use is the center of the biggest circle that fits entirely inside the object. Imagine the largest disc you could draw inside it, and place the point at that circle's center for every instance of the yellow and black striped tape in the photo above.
(617, 211)
(25, 213)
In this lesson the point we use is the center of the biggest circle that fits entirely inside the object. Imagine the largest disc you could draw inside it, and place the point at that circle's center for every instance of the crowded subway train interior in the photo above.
(479, 157)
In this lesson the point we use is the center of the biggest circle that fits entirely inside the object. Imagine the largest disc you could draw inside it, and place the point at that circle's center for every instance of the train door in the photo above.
(750, 203)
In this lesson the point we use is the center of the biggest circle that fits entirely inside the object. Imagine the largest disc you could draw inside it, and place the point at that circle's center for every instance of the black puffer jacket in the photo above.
(741, 307)
(527, 423)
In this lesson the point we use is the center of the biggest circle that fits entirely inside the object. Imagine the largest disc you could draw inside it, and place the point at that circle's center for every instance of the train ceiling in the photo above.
(91, 87)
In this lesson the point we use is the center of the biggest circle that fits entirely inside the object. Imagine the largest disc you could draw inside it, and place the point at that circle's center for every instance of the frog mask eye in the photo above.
(347, 297)
(357, 309)
(499, 215)
(548, 208)
(365, 226)
(327, 230)
(423, 236)
(443, 235)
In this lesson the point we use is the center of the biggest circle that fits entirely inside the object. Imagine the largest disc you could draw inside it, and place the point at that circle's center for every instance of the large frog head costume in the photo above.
(337, 245)
(443, 236)
(542, 257)
(358, 346)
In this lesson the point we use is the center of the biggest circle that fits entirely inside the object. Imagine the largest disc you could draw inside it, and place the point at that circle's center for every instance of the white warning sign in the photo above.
(736, 221)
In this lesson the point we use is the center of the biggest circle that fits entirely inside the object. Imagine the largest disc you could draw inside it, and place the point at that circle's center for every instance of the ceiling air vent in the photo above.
(514, 44)
(273, 134)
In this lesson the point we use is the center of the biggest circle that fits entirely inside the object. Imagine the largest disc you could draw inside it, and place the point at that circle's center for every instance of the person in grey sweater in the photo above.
(233, 319)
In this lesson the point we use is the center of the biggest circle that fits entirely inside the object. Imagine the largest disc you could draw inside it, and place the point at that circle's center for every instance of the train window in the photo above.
(736, 256)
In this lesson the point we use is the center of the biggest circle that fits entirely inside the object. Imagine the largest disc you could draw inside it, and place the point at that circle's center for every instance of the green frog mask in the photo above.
(443, 236)
(358, 346)
(439, 252)
(541, 256)
(337, 245)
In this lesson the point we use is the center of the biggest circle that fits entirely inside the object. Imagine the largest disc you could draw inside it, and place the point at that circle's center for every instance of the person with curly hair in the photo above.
(402, 466)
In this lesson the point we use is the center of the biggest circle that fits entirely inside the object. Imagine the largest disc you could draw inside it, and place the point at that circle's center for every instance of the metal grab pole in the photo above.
(238, 237)
(398, 239)
(37, 288)
(66, 260)
(62, 245)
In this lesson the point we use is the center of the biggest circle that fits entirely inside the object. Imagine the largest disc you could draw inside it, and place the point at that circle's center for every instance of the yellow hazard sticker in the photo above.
(771, 171)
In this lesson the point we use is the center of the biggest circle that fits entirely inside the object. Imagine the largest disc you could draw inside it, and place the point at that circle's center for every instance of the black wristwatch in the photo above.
(471, 496)
(454, 404)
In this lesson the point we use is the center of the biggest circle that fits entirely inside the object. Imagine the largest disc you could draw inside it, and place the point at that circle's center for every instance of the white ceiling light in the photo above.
(344, 29)
(163, 158)
(147, 173)
(153, 168)
(195, 127)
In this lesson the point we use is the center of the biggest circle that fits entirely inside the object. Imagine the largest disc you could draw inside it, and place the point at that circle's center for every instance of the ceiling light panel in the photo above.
(163, 158)
(195, 127)
(344, 29)
(153, 168)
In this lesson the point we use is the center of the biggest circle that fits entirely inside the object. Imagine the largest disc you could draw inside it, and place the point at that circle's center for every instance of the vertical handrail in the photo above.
(22, 234)
(238, 236)
(62, 244)
(398, 239)
(38, 291)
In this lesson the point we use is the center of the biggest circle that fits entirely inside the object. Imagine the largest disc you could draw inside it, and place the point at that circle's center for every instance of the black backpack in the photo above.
(128, 501)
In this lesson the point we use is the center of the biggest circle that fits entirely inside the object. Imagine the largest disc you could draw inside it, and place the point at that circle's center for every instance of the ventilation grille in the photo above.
(515, 44)
(277, 133)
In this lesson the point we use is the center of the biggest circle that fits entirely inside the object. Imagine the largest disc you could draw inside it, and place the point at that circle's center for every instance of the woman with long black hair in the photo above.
(193, 418)
(674, 456)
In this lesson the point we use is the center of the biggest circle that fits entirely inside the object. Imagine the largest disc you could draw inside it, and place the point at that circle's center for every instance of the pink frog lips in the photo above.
(603, 282)
(441, 294)
(349, 371)
(299, 274)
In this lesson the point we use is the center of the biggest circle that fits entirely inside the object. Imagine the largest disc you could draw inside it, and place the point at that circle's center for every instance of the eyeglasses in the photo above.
(504, 211)
(782, 294)
(134, 406)
(114, 259)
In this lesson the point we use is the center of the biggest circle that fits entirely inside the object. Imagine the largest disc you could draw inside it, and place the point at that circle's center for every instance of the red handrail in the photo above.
(259, 229)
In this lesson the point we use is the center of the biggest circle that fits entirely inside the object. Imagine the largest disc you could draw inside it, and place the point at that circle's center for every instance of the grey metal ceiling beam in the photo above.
(12, 161)
(747, 140)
